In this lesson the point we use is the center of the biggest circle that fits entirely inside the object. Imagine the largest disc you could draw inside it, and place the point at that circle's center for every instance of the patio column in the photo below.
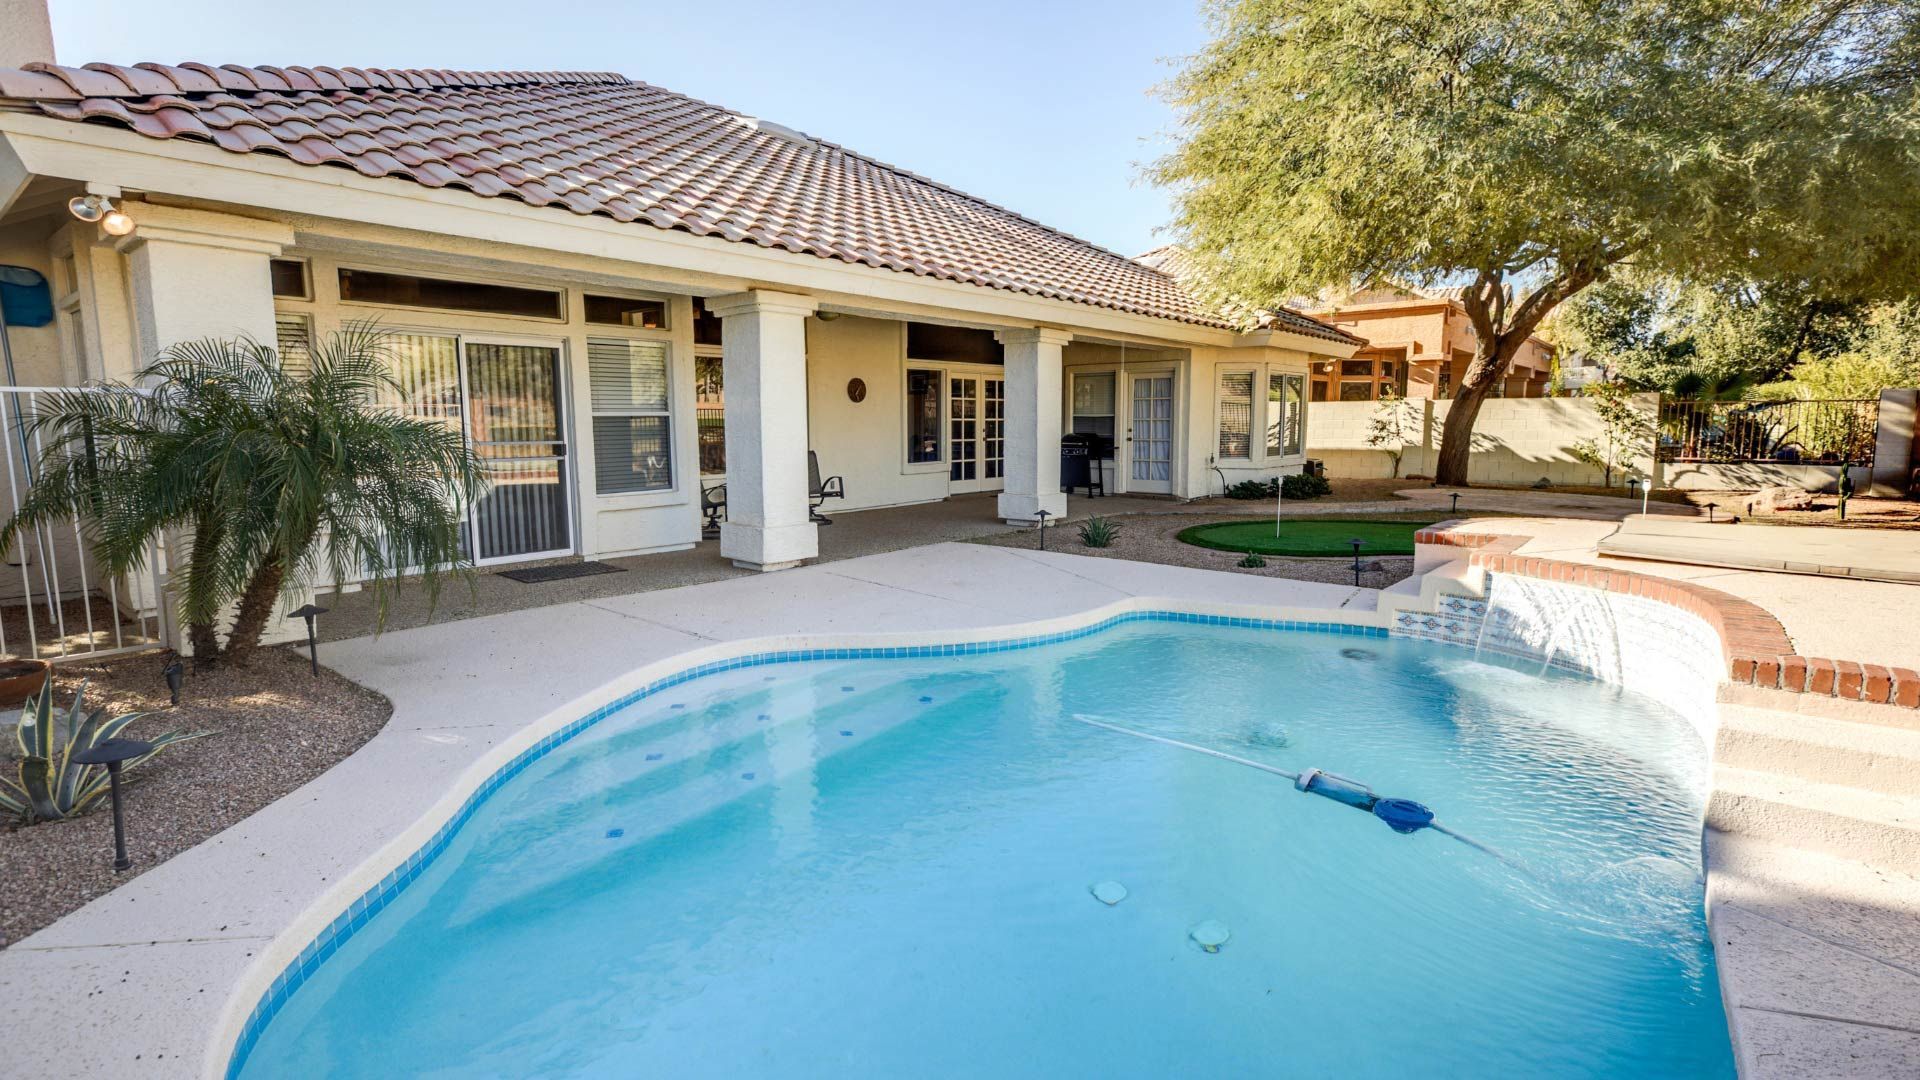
(195, 274)
(763, 344)
(1033, 361)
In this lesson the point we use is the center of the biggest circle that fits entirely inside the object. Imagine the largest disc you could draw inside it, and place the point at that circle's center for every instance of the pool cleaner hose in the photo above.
(1400, 815)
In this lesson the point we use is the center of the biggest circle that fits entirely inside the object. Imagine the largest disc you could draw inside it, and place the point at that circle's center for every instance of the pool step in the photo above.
(1826, 751)
(1879, 829)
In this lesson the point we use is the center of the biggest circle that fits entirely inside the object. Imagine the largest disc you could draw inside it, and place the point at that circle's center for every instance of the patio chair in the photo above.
(713, 503)
(819, 491)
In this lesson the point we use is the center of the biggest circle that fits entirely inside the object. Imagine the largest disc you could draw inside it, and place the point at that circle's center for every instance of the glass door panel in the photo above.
(963, 427)
(1150, 446)
(513, 421)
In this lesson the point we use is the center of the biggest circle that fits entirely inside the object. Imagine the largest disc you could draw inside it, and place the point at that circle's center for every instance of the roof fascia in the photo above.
(51, 147)
(14, 177)
(1286, 339)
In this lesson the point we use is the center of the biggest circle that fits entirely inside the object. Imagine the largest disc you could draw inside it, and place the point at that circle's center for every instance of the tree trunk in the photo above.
(204, 643)
(256, 607)
(1456, 436)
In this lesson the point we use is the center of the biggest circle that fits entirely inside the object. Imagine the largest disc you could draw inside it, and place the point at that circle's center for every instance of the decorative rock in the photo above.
(1109, 892)
(1210, 935)
(1772, 500)
(1542, 483)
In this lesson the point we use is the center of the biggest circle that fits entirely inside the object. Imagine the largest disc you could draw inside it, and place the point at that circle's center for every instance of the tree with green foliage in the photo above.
(1707, 340)
(1525, 150)
(274, 479)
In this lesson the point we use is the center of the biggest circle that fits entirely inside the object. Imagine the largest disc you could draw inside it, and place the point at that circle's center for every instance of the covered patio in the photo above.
(851, 536)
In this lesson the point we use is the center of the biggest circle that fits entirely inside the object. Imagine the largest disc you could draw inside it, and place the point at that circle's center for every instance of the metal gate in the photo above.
(55, 603)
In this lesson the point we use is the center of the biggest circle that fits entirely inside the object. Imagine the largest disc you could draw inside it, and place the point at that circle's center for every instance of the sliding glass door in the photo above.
(507, 400)
(514, 422)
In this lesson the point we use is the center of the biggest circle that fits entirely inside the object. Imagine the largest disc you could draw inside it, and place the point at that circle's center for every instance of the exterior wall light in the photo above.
(98, 209)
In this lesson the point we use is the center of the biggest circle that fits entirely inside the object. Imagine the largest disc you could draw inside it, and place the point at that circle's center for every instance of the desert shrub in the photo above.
(50, 785)
(1304, 486)
(1099, 532)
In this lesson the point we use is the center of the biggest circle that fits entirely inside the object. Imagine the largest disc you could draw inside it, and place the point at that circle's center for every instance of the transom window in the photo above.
(621, 311)
(411, 290)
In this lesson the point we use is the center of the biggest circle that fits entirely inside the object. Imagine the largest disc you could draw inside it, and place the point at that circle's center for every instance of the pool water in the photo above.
(884, 868)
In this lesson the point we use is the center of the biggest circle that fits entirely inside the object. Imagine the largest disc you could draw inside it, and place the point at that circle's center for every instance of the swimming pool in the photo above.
(886, 867)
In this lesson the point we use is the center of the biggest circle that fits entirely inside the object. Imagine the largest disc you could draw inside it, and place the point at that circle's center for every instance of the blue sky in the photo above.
(1042, 106)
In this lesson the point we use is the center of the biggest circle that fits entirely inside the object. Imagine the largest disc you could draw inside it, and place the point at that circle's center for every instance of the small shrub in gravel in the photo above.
(1099, 532)
(1253, 561)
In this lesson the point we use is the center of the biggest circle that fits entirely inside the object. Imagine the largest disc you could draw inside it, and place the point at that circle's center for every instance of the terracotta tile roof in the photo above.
(1169, 259)
(603, 144)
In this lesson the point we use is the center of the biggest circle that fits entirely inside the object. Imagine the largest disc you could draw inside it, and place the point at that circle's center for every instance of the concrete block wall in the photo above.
(1516, 440)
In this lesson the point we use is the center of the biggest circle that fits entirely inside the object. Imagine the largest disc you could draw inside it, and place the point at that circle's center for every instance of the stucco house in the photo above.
(624, 295)
(1419, 343)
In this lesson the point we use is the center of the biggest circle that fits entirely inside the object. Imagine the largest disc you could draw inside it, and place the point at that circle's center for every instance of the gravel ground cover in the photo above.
(1155, 538)
(276, 727)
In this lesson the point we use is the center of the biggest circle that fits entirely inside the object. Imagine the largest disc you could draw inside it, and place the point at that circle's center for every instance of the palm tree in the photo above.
(277, 478)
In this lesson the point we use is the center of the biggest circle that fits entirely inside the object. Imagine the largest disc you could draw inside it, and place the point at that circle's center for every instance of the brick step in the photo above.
(1877, 829)
(1869, 757)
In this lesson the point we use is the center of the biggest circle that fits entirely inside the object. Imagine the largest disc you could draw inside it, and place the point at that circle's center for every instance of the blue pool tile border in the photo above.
(381, 894)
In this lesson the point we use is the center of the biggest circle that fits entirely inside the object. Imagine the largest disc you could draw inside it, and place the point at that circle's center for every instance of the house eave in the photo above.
(204, 173)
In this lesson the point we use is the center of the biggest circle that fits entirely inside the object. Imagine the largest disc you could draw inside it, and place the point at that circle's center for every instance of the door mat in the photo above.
(535, 575)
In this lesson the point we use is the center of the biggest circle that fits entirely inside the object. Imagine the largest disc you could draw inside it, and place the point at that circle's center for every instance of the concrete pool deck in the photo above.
(160, 961)
(170, 963)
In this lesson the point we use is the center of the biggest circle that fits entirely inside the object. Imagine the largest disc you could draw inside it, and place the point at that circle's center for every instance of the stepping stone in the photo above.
(1109, 892)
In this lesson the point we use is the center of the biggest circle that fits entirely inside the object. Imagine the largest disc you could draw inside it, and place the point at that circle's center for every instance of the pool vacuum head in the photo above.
(1400, 815)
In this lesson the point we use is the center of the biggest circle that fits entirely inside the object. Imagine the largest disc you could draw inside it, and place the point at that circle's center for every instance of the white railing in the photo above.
(55, 603)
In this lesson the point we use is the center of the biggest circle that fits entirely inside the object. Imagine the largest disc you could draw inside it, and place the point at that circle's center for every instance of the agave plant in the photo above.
(1099, 532)
(53, 786)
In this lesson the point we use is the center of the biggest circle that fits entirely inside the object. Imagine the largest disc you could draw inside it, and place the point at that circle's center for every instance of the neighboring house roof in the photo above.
(596, 143)
(1172, 260)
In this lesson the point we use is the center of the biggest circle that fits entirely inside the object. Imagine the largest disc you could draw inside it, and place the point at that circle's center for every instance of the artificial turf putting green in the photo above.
(1307, 536)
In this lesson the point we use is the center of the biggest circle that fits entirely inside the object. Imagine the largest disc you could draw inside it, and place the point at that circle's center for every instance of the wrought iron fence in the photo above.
(1833, 432)
(55, 603)
(712, 420)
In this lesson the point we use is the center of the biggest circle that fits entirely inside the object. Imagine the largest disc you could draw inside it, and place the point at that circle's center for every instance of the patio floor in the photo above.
(872, 532)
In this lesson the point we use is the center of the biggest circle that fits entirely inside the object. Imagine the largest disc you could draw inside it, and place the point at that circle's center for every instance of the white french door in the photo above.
(507, 398)
(1150, 431)
(976, 432)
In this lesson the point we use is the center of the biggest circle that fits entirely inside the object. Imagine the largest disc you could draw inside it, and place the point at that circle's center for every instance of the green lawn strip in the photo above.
(1308, 537)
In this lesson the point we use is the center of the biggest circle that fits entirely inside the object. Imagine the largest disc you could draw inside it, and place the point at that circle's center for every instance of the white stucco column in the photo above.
(1033, 424)
(763, 343)
(195, 274)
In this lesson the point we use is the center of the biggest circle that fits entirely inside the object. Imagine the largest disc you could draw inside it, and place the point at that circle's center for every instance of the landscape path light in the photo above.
(112, 753)
(309, 612)
(1356, 542)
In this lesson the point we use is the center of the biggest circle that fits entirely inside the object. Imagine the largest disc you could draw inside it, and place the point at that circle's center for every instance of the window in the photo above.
(407, 290)
(1356, 391)
(956, 344)
(1236, 414)
(923, 416)
(1093, 398)
(632, 436)
(1286, 412)
(620, 311)
(293, 341)
(290, 280)
(1356, 367)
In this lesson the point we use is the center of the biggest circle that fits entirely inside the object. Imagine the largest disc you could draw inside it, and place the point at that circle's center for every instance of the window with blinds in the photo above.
(293, 340)
(1236, 414)
(632, 422)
